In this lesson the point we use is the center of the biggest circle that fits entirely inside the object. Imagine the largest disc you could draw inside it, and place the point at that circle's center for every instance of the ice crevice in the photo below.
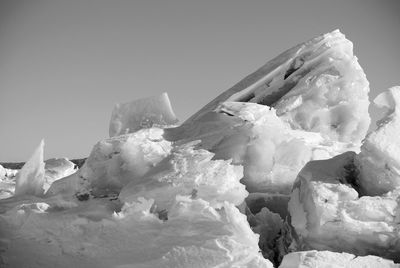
(277, 171)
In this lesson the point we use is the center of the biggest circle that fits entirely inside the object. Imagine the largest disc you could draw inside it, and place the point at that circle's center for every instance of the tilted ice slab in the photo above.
(316, 86)
(327, 259)
(311, 102)
(132, 116)
(379, 159)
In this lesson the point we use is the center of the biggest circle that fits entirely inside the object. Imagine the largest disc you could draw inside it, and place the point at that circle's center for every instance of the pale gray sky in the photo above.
(63, 64)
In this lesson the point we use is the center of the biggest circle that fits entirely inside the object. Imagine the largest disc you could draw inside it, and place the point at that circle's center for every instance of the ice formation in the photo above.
(220, 190)
(132, 116)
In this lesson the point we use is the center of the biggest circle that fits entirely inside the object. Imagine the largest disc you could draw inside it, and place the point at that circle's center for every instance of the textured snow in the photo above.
(144, 113)
(326, 259)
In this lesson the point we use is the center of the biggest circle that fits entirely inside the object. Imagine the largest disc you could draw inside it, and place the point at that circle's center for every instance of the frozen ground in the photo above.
(277, 171)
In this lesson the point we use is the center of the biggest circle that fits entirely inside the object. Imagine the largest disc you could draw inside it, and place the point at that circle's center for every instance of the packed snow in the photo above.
(277, 171)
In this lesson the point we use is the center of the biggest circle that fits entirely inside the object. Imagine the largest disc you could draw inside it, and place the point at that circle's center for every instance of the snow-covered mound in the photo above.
(159, 195)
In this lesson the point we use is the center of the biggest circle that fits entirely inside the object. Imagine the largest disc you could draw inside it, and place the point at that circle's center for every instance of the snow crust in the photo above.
(327, 259)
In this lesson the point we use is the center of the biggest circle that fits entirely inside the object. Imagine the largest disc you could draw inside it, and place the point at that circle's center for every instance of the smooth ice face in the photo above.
(379, 159)
(30, 179)
(327, 212)
(316, 86)
(144, 113)
(57, 168)
(116, 161)
(325, 259)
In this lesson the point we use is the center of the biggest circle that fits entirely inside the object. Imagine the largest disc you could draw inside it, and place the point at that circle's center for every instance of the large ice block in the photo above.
(327, 212)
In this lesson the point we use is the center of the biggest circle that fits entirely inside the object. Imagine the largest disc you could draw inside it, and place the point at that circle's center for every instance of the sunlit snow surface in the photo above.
(217, 190)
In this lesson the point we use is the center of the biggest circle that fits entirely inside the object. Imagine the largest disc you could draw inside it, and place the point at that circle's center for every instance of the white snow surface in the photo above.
(327, 259)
